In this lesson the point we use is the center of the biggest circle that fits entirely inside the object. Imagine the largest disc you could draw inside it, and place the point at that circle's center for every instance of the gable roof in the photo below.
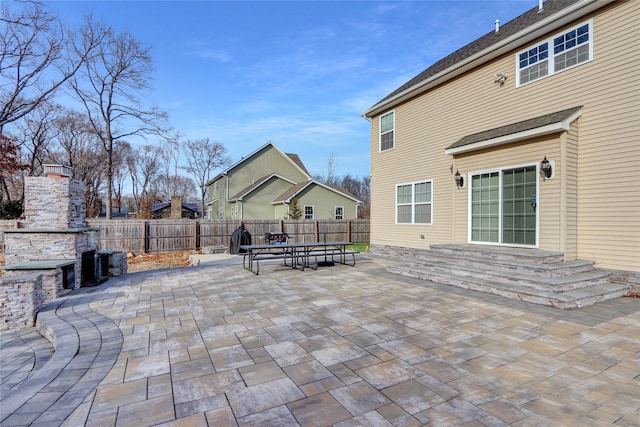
(255, 185)
(538, 126)
(296, 189)
(515, 33)
(162, 205)
(293, 158)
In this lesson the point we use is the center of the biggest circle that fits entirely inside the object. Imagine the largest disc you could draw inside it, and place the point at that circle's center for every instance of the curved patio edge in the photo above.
(87, 345)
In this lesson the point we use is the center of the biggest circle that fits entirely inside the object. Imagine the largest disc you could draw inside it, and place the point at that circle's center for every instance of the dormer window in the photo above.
(558, 53)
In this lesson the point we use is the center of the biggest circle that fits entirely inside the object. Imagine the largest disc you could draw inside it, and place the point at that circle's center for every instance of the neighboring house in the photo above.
(262, 185)
(122, 212)
(559, 87)
(179, 210)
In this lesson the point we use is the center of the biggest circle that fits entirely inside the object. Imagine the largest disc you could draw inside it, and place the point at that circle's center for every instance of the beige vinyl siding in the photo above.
(548, 195)
(569, 197)
(600, 204)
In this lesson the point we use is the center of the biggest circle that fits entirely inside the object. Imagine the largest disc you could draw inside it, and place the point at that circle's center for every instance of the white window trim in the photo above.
(335, 214)
(413, 204)
(313, 211)
(552, 55)
(380, 150)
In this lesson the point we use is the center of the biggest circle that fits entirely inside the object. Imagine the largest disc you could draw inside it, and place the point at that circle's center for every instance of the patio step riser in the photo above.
(552, 300)
(506, 269)
(569, 281)
(515, 255)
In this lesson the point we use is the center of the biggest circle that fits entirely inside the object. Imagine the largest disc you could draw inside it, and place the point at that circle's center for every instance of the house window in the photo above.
(571, 48)
(221, 212)
(387, 130)
(534, 63)
(308, 212)
(555, 54)
(413, 203)
(338, 212)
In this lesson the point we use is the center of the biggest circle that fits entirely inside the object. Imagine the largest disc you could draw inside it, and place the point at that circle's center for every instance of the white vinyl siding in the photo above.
(558, 53)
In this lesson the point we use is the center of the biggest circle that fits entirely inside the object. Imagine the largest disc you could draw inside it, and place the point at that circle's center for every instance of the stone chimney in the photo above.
(176, 207)
(55, 201)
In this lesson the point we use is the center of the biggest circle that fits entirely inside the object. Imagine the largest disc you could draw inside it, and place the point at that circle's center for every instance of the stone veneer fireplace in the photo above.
(54, 235)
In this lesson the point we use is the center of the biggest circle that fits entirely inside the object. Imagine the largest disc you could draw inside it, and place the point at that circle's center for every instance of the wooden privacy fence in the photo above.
(157, 235)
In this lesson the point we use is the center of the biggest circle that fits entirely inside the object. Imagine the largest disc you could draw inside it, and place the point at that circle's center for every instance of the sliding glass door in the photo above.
(503, 206)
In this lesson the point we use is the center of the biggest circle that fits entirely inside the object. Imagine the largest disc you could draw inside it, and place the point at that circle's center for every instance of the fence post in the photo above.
(196, 235)
(348, 227)
(145, 235)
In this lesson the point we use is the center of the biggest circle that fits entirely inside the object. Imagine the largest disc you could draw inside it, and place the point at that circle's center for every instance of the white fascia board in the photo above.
(269, 178)
(513, 42)
(518, 136)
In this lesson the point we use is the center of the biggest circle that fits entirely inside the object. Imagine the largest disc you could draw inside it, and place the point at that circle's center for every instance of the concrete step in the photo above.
(557, 280)
(572, 299)
(507, 266)
(500, 253)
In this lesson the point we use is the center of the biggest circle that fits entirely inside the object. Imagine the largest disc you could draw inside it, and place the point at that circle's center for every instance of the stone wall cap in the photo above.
(49, 230)
(49, 264)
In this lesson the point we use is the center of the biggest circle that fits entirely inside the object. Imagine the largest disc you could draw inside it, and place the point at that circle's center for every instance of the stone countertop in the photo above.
(49, 230)
(39, 264)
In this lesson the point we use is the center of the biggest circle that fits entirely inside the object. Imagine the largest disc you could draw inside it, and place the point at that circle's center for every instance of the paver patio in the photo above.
(352, 346)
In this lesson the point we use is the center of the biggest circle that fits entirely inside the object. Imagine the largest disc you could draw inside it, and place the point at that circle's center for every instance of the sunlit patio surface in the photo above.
(215, 345)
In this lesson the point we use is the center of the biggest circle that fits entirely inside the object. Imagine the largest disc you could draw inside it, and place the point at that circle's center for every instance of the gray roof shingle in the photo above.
(506, 30)
(512, 128)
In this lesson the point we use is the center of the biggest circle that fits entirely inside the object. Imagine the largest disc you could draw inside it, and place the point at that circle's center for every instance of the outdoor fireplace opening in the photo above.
(88, 269)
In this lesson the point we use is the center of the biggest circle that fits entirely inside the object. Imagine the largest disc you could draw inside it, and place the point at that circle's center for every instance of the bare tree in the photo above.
(121, 152)
(80, 148)
(170, 183)
(203, 157)
(329, 178)
(175, 186)
(361, 189)
(37, 132)
(109, 86)
(144, 165)
(35, 58)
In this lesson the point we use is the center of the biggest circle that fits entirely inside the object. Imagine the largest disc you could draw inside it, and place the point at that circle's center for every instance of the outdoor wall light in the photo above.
(545, 168)
(459, 180)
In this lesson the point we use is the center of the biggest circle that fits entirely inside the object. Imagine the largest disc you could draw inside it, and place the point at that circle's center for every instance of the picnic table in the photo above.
(297, 255)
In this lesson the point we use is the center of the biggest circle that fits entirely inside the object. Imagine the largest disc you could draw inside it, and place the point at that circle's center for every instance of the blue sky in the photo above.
(298, 73)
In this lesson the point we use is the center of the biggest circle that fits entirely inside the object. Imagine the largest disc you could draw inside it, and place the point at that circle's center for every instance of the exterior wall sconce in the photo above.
(545, 168)
(459, 180)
